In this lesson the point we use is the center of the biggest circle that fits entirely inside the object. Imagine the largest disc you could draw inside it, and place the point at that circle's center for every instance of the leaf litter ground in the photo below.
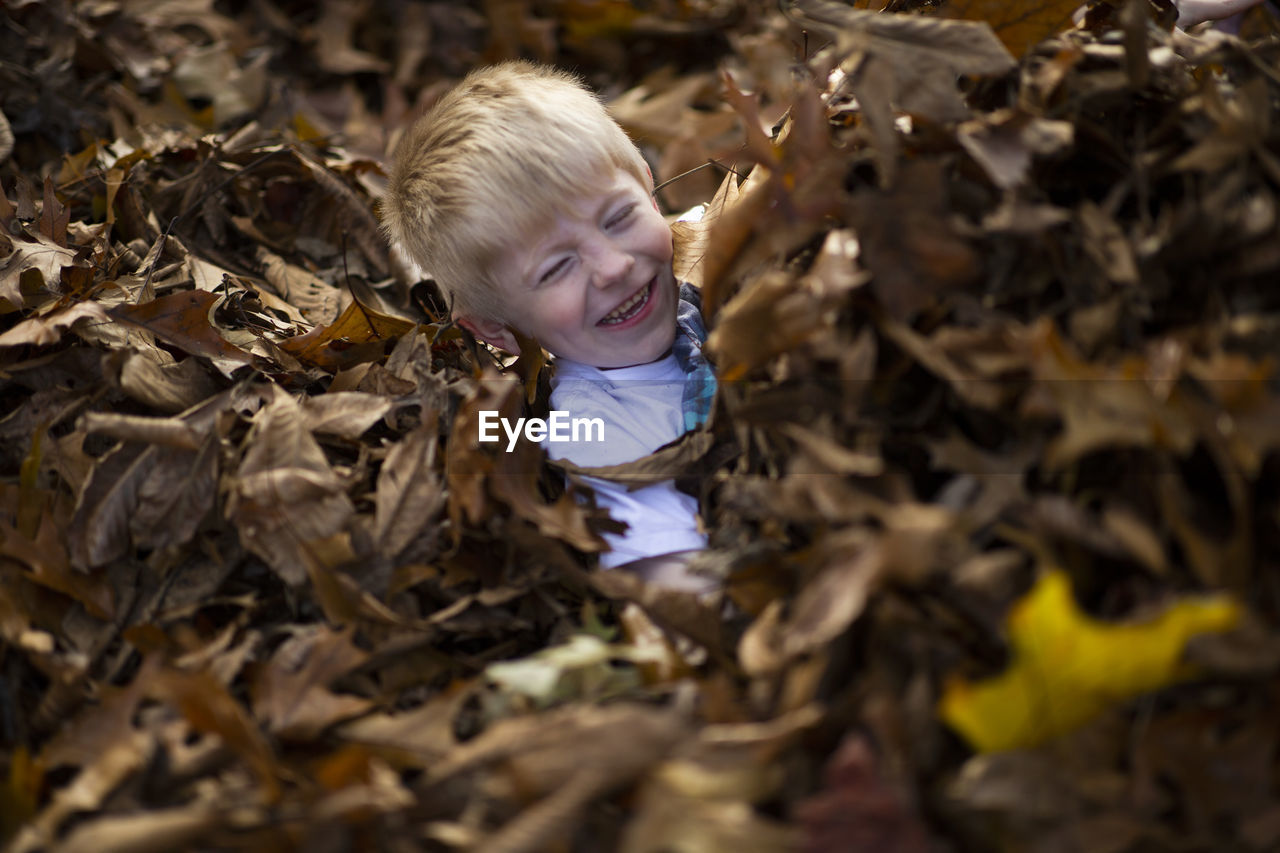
(991, 476)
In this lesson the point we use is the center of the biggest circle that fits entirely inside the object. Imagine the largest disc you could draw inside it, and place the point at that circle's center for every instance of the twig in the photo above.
(696, 169)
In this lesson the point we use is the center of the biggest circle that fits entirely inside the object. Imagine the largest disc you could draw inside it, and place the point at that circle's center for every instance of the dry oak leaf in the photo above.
(183, 320)
(1105, 406)
(293, 699)
(1067, 666)
(285, 496)
(45, 559)
(20, 287)
(154, 489)
(410, 493)
(337, 345)
(910, 62)
(908, 242)
(46, 329)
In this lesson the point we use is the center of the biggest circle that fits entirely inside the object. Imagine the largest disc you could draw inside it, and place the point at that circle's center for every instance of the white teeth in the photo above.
(627, 309)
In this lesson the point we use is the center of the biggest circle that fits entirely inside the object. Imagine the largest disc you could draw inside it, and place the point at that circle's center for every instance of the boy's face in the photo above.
(593, 284)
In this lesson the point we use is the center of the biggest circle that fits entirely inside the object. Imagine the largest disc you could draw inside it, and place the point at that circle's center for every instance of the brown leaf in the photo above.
(823, 610)
(912, 60)
(153, 490)
(914, 254)
(554, 747)
(291, 693)
(209, 708)
(1107, 245)
(154, 831)
(691, 238)
(6, 148)
(770, 315)
(211, 72)
(183, 320)
(334, 31)
(1004, 143)
(1019, 25)
(730, 233)
(54, 216)
(1104, 407)
(118, 760)
(31, 267)
(45, 558)
(425, 733)
(338, 345)
(285, 495)
(163, 385)
(409, 492)
(47, 329)
(319, 301)
(100, 529)
(347, 414)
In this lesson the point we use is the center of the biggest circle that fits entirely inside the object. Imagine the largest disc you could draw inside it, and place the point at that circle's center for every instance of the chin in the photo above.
(663, 346)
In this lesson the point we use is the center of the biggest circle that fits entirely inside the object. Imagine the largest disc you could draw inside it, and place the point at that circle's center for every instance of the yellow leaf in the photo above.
(1067, 666)
(1018, 23)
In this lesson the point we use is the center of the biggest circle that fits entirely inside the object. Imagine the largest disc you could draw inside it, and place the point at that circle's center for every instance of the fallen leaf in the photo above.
(915, 255)
(285, 495)
(1005, 142)
(291, 693)
(48, 329)
(183, 320)
(31, 267)
(410, 493)
(1019, 25)
(339, 345)
(334, 31)
(45, 558)
(1067, 667)
(346, 414)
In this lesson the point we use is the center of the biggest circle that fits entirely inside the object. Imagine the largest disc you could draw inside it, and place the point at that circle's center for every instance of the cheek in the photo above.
(562, 309)
(656, 241)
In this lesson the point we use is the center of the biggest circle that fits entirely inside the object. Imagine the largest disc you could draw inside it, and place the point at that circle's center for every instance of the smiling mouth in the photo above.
(628, 309)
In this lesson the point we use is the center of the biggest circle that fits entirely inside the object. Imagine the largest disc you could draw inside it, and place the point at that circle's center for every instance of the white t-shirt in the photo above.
(640, 408)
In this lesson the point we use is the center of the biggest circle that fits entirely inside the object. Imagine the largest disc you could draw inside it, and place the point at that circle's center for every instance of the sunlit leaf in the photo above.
(339, 344)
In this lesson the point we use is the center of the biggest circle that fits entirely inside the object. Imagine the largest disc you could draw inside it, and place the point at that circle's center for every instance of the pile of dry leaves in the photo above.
(992, 475)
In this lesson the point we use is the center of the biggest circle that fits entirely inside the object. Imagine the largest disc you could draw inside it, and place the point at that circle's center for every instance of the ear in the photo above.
(653, 196)
(493, 332)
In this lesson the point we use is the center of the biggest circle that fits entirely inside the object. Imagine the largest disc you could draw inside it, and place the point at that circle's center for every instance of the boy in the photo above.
(534, 213)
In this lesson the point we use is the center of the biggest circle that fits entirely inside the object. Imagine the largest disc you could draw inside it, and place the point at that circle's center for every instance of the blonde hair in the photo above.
(496, 155)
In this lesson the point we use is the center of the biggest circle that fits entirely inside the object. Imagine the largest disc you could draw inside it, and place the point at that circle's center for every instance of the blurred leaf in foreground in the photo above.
(1019, 24)
(1066, 666)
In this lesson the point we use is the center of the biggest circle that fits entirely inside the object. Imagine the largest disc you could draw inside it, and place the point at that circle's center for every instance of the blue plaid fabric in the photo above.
(700, 379)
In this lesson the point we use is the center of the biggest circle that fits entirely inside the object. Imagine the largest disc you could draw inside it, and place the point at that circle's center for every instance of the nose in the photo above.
(609, 264)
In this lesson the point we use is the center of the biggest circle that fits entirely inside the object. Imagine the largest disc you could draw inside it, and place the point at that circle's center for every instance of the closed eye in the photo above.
(553, 271)
(621, 217)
